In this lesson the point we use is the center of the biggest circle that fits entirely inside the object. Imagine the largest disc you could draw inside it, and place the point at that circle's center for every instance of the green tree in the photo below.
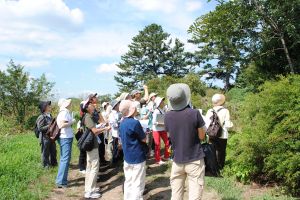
(151, 54)
(20, 93)
(269, 143)
(198, 89)
(221, 37)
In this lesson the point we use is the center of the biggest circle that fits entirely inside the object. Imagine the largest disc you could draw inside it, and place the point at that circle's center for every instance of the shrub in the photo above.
(268, 149)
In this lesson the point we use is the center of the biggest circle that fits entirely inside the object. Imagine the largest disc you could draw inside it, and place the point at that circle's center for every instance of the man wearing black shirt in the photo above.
(186, 129)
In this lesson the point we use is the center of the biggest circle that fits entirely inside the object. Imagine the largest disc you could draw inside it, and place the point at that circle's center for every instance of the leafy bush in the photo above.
(8, 127)
(268, 149)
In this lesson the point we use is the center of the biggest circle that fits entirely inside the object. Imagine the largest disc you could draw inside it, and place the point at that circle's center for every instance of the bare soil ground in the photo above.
(111, 181)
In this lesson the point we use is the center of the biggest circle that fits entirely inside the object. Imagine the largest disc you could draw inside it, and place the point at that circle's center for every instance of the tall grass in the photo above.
(21, 173)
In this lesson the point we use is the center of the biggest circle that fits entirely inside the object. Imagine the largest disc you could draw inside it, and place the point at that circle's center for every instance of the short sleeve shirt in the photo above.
(132, 134)
(183, 129)
(89, 123)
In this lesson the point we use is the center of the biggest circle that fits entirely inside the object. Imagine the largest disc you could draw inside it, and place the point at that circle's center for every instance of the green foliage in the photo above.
(226, 187)
(221, 39)
(21, 173)
(7, 127)
(20, 94)
(160, 86)
(20, 168)
(268, 149)
(150, 55)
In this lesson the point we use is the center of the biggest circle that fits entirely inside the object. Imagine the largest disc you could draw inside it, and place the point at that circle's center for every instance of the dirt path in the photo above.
(111, 180)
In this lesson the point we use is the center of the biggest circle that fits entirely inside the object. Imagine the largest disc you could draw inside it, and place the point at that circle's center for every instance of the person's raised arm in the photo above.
(146, 96)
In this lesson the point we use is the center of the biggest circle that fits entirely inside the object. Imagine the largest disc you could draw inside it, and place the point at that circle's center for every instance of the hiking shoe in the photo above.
(93, 195)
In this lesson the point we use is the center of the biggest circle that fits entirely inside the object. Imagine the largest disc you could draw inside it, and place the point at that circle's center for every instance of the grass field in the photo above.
(21, 173)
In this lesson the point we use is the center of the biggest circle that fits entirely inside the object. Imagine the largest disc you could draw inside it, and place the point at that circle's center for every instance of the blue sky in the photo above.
(77, 43)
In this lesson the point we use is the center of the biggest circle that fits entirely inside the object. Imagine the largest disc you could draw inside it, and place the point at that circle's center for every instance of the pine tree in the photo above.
(151, 54)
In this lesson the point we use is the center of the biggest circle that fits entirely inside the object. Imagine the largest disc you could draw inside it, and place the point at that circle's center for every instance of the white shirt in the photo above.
(113, 122)
(155, 113)
(64, 115)
(224, 118)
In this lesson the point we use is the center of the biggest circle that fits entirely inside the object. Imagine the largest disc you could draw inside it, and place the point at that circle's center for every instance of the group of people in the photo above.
(130, 129)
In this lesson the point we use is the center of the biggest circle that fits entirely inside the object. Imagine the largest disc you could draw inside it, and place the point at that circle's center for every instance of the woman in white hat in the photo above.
(64, 121)
(220, 143)
(159, 130)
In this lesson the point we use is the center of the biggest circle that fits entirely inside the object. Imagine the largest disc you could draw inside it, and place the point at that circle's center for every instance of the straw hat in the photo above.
(218, 99)
(127, 108)
(179, 96)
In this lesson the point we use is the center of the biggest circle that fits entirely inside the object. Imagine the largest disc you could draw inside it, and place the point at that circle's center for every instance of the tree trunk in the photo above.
(286, 51)
(227, 81)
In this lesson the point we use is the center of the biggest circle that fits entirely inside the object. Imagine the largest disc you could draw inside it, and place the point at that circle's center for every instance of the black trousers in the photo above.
(48, 149)
(101, 148)
(82, 160)
(220, 146)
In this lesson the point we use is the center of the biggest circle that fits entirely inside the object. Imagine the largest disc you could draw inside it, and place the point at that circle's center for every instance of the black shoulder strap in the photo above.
(219, 109)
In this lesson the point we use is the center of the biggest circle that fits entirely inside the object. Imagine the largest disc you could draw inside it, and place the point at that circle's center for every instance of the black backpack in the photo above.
(214, 129)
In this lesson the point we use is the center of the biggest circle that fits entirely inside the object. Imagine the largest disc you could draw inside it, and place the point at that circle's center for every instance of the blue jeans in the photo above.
(65, 157)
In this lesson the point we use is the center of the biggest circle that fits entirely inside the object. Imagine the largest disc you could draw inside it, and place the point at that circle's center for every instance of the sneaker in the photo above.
(161, 162)
(93, 195)
(82, 171)
(151, 153)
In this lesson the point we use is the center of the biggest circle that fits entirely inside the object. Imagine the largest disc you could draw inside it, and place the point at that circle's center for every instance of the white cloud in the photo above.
(34, 63)
(166, 6)
(192, 6)
(54, 12)
(107, 68)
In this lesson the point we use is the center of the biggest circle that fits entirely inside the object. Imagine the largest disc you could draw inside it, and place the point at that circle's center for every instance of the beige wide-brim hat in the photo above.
(64, 103)
(158, 101)
(179, 96)
(153, 94)
(127, 108)
(123, 96)
(218, 99)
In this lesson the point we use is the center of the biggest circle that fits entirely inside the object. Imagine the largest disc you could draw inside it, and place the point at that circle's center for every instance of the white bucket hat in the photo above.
(63, 103)
(179, 96)
(153, 94)
(158, 101)
(127, 108)
(218, 99)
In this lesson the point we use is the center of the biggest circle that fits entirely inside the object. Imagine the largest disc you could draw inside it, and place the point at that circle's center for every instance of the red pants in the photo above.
(156, 137)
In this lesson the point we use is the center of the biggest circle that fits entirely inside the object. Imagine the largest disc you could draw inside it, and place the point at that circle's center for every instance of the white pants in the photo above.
(135, 175)
(92, 168)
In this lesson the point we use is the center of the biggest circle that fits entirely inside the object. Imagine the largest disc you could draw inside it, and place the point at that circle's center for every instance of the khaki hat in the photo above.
(179, 96)
(218, 99)
(124, 96)
(127, 108)
(153, 94)
(134, 92)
